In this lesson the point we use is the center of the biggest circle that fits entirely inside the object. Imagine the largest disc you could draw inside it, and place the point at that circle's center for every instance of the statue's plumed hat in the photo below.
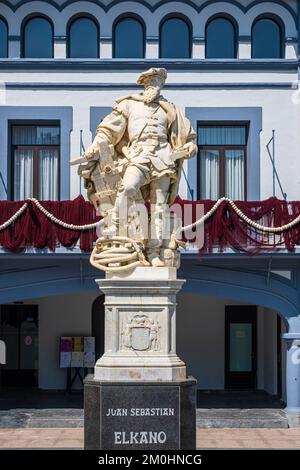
(153, 72)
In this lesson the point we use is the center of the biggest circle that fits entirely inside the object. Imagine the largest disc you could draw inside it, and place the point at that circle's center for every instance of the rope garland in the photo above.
(242, 216)
(200, 221)
(50, 216)
(14, 217)
(61, 222)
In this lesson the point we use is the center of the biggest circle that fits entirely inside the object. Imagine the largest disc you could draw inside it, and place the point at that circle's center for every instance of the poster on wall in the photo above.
(77, 351)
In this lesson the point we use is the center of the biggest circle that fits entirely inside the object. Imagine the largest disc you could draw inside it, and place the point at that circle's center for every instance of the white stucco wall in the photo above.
(60, 316)
(279, 112)
(200, 337)
(201, 341)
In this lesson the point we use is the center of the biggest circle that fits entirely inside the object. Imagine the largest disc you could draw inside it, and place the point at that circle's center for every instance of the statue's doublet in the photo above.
(145, 121)
(147, 128)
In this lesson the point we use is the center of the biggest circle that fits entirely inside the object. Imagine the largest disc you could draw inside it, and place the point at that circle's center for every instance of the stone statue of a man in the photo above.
(150, 138)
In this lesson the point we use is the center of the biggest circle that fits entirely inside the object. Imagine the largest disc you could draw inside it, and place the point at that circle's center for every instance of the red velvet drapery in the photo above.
(223, 229)
(34, 229)
(226, 229)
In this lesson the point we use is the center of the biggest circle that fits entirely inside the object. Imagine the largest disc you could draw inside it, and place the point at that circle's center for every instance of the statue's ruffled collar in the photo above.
(139, 97)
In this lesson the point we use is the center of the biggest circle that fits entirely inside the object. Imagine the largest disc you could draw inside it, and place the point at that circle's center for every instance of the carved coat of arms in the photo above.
(141, 333)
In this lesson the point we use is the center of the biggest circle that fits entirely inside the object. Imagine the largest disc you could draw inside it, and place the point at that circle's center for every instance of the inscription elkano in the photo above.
(148, 418)
(141, 437)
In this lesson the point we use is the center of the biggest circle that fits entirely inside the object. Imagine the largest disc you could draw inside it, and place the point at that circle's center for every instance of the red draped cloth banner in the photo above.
(222, 230)
(226, 229)
(34, 229)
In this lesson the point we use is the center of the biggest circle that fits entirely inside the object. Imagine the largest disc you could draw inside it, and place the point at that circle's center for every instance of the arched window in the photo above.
(220, 39)
(267, 39)
(83, 38)
(37, 38)
(175, 39)
(129, 39)
(3, 39)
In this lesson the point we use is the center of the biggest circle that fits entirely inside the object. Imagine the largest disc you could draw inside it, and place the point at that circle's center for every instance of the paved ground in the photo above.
(248, 438)
(72, 438)
(239, 409)
(31, 408)
(234, 409)
(32, 419)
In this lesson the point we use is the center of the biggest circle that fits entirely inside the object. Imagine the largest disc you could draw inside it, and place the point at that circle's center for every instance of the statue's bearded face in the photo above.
(152, 89)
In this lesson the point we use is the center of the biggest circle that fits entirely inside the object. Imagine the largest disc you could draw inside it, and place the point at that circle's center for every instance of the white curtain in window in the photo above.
(209, 174)
(24, 135)
(23, 175)
(33, 135)
(222, 136)
(48, 174)
(234, 174)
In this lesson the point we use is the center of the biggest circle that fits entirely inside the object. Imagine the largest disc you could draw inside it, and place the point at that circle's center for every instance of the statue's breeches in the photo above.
(154, 160)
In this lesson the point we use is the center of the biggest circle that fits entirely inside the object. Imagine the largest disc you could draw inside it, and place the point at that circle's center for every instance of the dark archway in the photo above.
(98, 325)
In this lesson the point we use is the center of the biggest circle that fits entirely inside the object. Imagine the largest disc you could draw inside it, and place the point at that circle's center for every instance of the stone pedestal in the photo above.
(140, 326)
(139, 415)
(139, 396)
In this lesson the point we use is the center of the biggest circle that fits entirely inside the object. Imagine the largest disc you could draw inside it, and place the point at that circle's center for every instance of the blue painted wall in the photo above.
(242, 278)
(63, 114)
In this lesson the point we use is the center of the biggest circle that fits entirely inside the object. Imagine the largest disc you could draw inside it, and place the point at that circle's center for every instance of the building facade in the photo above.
(233, 69)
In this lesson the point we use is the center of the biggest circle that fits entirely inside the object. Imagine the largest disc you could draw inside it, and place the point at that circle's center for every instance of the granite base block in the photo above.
(139, 415)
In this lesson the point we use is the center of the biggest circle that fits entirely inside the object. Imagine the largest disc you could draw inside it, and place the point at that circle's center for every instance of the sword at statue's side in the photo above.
(78, 160)
(106, 152)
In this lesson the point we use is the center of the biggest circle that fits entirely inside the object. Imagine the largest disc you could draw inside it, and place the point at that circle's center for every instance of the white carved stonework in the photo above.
(140, 326)
(141, 333)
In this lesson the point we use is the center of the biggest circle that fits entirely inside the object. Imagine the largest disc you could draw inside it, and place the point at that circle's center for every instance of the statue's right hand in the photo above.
(91, 152)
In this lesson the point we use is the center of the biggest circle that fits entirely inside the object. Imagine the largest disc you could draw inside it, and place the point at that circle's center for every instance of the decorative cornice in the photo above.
(197, 8)
(291, 39)
(138, 64)
(132, 86)
(244, 38)
(198, 40)
(60, 38)
(149, 39)
(152, 38)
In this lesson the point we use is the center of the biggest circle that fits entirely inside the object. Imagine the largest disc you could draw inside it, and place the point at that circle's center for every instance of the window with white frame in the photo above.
(35, 152)
(222, 160)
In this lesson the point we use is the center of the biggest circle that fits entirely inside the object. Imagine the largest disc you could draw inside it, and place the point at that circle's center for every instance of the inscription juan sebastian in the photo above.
(140, 412)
